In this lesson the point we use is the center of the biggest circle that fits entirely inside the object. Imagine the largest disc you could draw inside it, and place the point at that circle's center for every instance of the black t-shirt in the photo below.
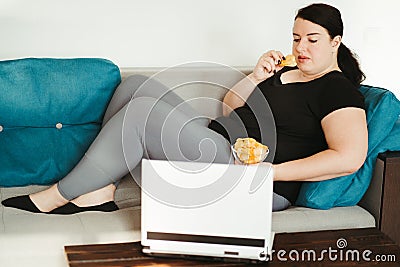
(297, 110)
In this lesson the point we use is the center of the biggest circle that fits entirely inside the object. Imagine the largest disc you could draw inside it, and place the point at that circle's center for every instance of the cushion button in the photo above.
(59, 125)
(1, 128)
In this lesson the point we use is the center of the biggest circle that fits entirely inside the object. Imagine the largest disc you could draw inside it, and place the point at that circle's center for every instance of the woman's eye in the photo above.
(296, 40)
(313, 41)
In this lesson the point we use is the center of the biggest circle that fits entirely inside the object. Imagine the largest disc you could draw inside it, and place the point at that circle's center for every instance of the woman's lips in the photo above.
(302, 59)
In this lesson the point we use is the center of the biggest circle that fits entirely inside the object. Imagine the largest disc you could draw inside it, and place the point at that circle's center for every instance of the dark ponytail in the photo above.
(349, 65)
(330, 18)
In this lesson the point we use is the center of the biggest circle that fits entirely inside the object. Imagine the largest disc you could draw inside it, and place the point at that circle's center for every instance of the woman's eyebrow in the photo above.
(308, 34)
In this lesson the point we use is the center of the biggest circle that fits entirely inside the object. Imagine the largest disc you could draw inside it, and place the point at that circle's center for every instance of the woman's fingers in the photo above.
(276, 57)
(268, 64)
(281, 56)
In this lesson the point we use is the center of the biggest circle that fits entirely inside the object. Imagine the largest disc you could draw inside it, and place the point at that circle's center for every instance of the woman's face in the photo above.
(313, 48)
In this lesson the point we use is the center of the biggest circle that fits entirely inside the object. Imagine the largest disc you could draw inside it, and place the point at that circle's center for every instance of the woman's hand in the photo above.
(267, 65)
(238, 94)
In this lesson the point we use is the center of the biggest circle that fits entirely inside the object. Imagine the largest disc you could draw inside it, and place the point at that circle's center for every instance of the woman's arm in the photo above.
(238, 94)
(347, 138)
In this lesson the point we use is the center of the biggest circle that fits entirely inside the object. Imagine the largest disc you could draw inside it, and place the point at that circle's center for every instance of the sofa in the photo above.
(28, 239)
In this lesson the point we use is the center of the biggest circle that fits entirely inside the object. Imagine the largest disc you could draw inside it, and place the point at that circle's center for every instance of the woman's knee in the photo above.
(142, 106)
(141, 85)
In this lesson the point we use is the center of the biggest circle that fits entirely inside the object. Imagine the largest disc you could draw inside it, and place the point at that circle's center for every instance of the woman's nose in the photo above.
(301, 46)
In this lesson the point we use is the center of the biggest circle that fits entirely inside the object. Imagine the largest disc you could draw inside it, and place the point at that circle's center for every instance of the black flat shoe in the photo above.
(71, 208)
(22, 203)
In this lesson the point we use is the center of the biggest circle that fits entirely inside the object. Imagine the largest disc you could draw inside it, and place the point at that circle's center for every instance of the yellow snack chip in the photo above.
(290, 60)
(249, 151)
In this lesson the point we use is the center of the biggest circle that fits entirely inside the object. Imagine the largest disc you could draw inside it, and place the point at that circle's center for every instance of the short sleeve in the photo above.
(338, 93)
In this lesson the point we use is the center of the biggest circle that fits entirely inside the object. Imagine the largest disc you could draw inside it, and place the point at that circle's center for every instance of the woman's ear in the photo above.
(336, 41)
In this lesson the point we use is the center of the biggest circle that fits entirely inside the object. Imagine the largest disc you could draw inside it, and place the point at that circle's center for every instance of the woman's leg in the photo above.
(162, 132)
(132, 87)
(279, 202)
(153, 129)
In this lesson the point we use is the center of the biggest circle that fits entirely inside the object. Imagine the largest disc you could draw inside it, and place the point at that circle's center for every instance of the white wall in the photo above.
(161, 33)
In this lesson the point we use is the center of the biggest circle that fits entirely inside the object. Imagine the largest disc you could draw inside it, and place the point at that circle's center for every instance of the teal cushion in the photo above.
(383, 110)
(50, 112)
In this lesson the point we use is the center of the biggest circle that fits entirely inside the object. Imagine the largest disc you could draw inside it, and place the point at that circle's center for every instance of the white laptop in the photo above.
(200, 209)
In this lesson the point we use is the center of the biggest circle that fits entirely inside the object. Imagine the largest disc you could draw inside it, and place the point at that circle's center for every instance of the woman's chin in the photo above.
(306, 68)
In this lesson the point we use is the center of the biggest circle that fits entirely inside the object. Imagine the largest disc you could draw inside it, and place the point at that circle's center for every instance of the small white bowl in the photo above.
(234, 152)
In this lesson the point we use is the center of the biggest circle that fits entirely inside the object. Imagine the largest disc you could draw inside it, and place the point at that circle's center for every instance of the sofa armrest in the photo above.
(382, 197)
(372, 199)
(390, 216)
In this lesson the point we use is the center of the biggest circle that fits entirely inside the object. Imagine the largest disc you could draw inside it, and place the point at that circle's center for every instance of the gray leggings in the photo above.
(146, 119)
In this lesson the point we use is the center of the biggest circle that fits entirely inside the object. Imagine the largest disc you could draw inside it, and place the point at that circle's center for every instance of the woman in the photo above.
(318, 111)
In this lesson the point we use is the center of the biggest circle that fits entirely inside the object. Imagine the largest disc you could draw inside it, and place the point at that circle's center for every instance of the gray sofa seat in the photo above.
(294, 219)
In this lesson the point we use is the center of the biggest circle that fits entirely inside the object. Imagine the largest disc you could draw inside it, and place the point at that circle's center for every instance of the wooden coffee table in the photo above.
(362, 247)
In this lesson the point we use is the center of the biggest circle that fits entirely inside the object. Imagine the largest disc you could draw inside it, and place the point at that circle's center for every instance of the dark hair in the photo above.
(329, 18)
